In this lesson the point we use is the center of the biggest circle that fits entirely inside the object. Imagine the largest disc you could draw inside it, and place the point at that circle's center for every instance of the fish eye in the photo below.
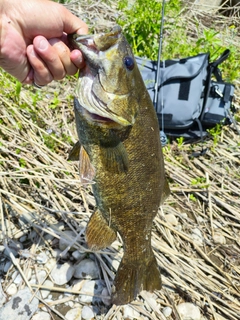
(129, 63)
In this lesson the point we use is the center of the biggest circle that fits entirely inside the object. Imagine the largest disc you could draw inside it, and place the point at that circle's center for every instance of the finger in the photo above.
(63, 53)
(41, 74)
(77, 58)
(50, 56)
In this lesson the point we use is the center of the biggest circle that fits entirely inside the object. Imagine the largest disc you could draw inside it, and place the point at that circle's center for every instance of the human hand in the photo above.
(33, 40)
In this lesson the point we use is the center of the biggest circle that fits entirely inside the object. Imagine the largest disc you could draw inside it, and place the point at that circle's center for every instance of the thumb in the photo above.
(72, 24)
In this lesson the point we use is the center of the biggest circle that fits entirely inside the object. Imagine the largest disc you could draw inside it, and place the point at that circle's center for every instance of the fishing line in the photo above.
(163, 136)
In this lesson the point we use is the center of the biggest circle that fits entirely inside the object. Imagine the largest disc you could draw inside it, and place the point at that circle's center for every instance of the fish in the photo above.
(120, 155)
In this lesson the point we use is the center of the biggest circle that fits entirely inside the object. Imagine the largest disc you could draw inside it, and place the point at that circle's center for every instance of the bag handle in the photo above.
(213, 69)
(213, 66)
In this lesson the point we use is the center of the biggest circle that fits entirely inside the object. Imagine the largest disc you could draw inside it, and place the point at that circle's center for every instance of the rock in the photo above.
(77, 255)
(41, 315)
(87, 313)
(13, 247)
(41, 276)
(167, 311)
(62, 273)
(23, 238)
(170, 217)
(19, 306)
(86, 269)
(57, 253)
(74, 314)
(106, 299)
(89, 289)
(12, 289)
(50, 264)
(7, 266)
(2, 298)
(10, 229)
(46, 292)
(130, 313)
(18, 279)
(42, 258)
(197, 236)
(116, 263)
(219, 238)
(189, 311)
(66, 240)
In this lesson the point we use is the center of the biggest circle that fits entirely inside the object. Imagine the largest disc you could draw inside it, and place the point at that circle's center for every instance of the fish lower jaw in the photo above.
(104, 119)
(100, 120)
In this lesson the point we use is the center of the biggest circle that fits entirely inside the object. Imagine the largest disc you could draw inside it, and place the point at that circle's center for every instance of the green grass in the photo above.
(141, 25)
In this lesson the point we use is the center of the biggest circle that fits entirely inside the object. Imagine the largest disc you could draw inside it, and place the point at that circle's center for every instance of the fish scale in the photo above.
(118, 131)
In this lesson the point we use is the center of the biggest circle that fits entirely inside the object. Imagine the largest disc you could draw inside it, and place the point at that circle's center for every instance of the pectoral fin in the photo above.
(86, 169)
(98, 234)
(74, 153)
(166, 191)
(115, 158)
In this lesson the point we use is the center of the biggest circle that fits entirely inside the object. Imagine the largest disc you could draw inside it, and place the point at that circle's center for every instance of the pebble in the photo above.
(189, 311)
(89, 289)
(50, 264)
(46, 292)
(23, 238)
(41, 316)
(2, 298)
(130, 313)
(21, 307)
(77, 255)
(13, 247)
(57, 253)
(42, 258)
(86, 269)
(10, 229)
(7, 266)
(170, 217)
(116, 263)
(17, 279)
(106, 299)
(66, 239)
(219, 238)
(74, 314)
(197, 236)
(167, 311)
(87, 313)
(41, 276)
(62, 273)
(12, 289)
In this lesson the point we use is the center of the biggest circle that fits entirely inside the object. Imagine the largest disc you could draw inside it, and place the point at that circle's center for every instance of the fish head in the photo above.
(107, 88)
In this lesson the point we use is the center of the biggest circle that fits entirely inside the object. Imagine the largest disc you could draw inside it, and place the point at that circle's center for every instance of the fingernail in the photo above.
(42, 45)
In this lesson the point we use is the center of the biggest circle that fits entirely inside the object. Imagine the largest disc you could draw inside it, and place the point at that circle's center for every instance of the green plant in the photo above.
(180, 141)
(192, 197)
(141, 25)
(215, 132)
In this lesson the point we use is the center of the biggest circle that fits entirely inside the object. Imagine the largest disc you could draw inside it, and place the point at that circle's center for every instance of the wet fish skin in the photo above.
(118, 129)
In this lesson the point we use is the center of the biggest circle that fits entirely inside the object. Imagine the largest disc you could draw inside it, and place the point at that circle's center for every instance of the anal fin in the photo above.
(98, 234)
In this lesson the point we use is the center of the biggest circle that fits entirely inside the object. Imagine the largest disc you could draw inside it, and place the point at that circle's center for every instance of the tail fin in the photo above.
(133, 277)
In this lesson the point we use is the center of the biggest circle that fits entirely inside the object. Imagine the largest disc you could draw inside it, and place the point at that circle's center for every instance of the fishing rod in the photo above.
(163, 136)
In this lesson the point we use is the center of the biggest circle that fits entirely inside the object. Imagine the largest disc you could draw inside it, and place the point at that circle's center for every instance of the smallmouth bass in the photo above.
(121, 155)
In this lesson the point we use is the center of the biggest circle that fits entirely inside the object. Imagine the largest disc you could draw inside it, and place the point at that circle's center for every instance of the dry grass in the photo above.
(40, 190)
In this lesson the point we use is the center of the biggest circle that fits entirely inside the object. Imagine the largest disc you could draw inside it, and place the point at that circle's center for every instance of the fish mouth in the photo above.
(92, 48)
(101, 118)
(95, 42)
